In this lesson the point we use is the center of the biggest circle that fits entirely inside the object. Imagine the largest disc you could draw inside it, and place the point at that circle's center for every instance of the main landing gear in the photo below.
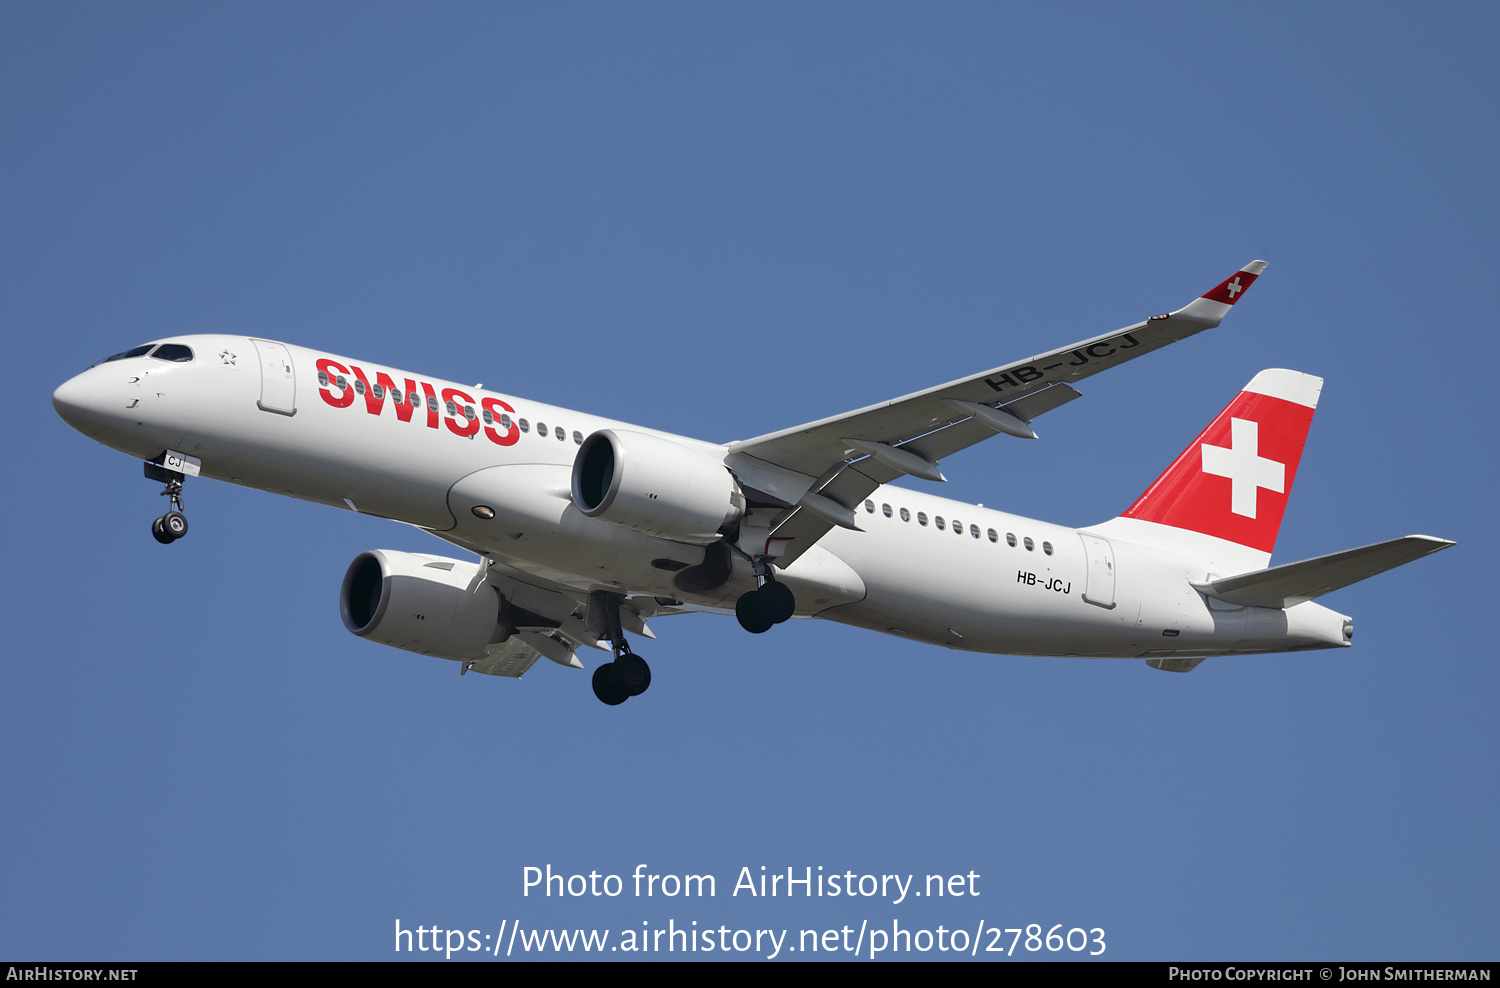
(173, 525)
(771, 603)
(628, 674)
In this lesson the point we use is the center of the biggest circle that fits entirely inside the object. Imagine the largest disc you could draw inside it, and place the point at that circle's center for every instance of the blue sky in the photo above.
(725, 220)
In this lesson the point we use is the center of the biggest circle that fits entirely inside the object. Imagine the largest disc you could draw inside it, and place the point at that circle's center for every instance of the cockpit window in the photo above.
(139, 351)
(175, 352)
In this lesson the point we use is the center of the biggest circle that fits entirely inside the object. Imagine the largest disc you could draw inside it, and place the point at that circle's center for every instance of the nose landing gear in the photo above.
(174, 524)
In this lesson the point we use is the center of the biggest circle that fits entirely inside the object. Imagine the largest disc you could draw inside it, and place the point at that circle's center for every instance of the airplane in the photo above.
(584, 528)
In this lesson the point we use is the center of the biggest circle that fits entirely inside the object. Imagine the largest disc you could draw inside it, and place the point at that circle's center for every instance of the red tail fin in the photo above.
(1233, 482)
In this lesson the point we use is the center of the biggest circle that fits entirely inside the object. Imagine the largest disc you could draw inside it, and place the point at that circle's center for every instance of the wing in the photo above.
(820, 471)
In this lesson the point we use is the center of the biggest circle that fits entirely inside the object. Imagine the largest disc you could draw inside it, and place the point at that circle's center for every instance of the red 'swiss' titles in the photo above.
(455, 408)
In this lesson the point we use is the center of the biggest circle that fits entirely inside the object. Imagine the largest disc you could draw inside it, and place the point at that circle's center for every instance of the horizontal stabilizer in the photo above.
(1292, 583)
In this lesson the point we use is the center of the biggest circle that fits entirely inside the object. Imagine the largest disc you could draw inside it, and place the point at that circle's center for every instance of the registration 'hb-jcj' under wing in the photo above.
(585, 528)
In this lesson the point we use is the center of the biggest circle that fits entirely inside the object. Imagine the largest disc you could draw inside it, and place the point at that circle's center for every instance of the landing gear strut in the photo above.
(771, 603)
(173, 525)
(627, 675)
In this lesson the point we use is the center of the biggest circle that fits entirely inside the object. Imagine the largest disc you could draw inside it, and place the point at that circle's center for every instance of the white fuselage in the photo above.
(1055, 591)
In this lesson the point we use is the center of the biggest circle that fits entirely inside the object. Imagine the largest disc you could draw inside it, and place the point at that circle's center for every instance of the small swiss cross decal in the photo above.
(1230, 290)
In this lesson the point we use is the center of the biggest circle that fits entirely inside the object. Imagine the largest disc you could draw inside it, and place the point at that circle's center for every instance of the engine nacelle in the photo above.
(421, 603)
(655, 486)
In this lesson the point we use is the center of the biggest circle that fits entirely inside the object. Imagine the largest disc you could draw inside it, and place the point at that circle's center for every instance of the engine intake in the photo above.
(421, 603)
(655, 486)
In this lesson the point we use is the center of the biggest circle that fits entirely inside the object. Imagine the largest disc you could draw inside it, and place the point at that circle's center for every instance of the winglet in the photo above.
(1214, 305)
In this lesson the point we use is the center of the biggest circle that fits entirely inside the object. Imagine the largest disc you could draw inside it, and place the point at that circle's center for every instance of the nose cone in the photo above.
(74, 402)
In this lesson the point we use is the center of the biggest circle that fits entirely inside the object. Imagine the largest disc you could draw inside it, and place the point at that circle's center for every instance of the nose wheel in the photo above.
(169, 527)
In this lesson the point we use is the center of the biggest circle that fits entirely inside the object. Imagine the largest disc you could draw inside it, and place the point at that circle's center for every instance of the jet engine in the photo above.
(655, 486)
(422, 603)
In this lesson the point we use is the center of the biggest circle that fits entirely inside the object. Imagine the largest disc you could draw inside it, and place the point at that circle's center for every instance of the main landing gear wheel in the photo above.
(625, 677)
(771, 604)
(752, 613)
(780, 603)
(609, 686)
(628, 675)
(633, 672)
(160, 534)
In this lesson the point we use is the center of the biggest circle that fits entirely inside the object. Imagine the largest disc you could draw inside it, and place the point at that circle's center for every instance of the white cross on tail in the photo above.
(1246, 469)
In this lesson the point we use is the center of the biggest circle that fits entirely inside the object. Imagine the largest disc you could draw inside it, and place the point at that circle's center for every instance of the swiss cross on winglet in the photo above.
(1234, 286)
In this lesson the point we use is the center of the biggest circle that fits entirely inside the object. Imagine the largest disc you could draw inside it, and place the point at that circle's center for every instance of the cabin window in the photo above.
(488, 418)
(359, 386)
(937, 523)
(870, 507)
(1010, 539)
(541, 430)
(994, 535)
(922, 518)
(1047, 548)
(974, 531)
(323, 378)
(577, 438)
(452, 408)
(560, 433)
(378, 392)
(1030, 545)
(905, 515)
(505, 422)
(885, 509)
(431, 403)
